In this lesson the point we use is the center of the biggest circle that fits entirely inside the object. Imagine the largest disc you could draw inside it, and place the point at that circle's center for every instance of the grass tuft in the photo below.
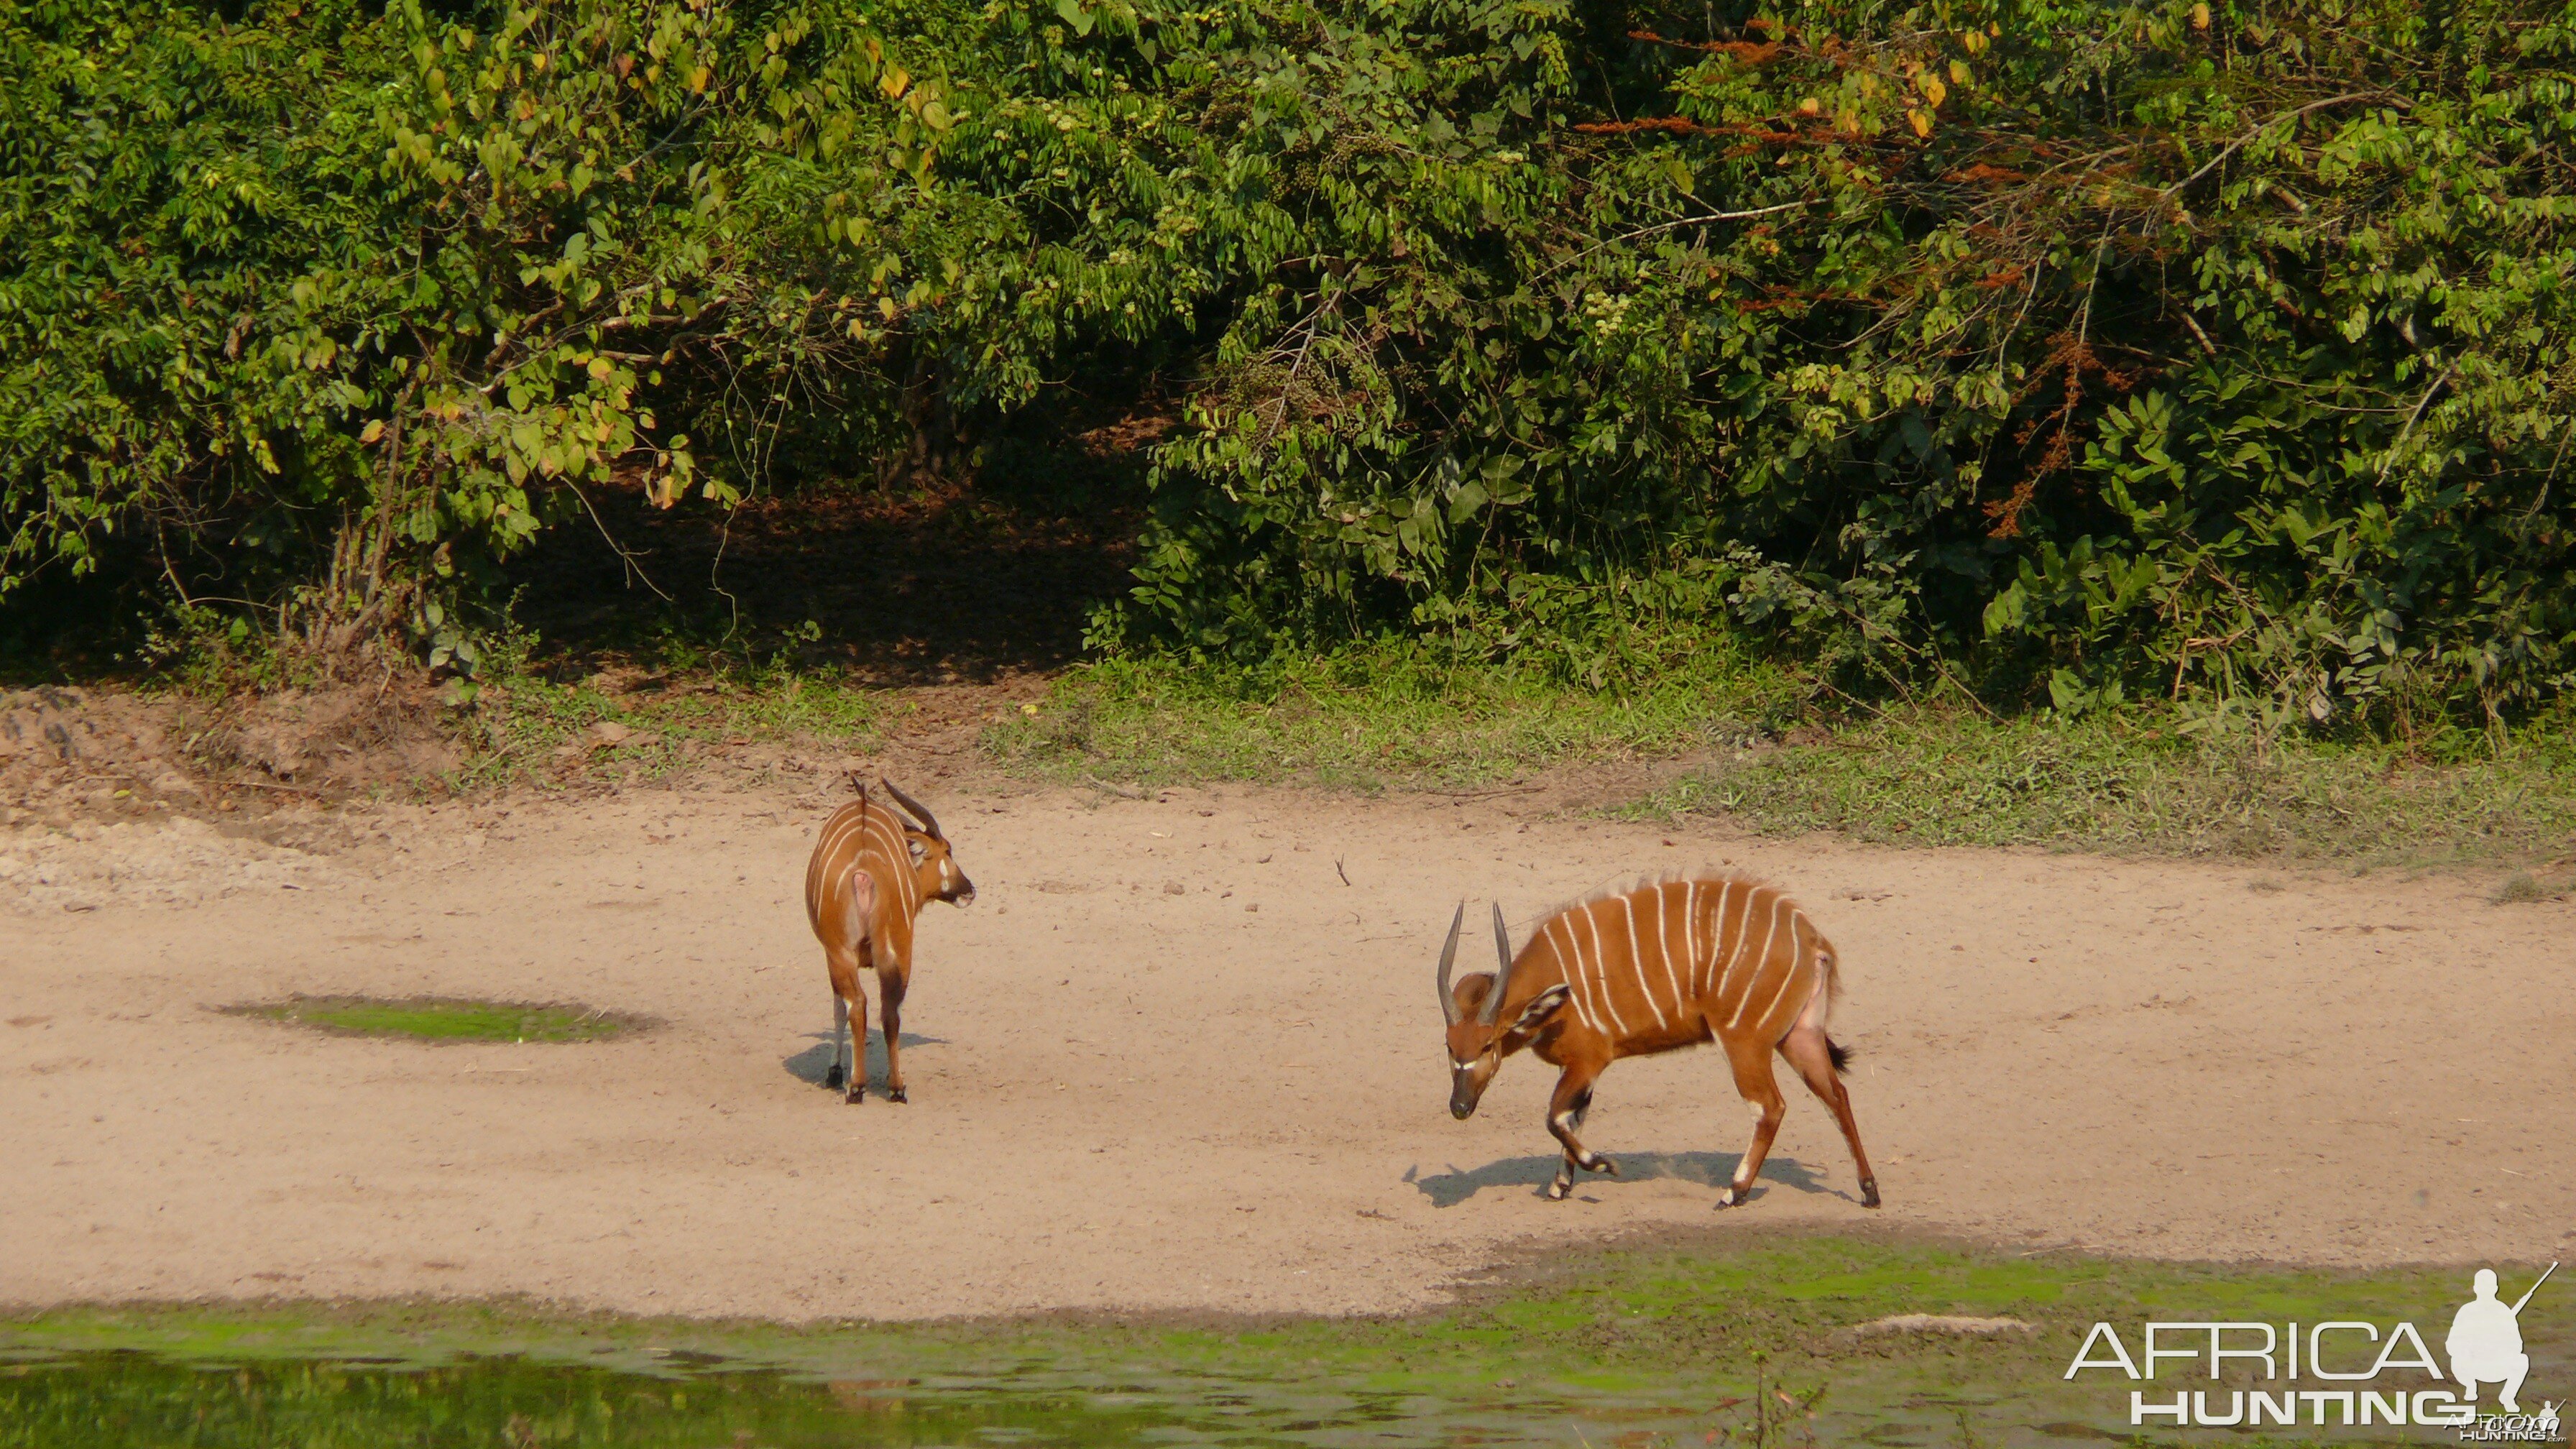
(2521, 888)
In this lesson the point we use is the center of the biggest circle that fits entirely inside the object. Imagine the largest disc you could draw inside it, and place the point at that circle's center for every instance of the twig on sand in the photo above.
(1463, 796)
(268, 785)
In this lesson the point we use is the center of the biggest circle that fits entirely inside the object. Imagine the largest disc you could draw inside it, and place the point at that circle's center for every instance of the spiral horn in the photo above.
(1448, 957)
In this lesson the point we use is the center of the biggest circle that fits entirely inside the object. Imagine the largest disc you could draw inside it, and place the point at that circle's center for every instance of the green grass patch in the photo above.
(528, 729)
(1928, 777)
(1767, 757)
(1380, 716)
(1762, 1342)
(430, 1018)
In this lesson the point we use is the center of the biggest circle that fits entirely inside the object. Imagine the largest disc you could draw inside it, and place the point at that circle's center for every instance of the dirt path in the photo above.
(1170, 1060)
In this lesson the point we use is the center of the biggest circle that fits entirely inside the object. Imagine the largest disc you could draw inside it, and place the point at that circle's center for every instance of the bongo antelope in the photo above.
(871, 871)
(1661, 966)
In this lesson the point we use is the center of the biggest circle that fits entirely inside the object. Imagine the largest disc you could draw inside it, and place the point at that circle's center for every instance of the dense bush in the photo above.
(2109, 347)
(338, 303)
(2069, 351)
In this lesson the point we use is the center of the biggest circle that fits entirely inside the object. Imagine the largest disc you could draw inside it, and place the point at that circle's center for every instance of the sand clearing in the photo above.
(1170, 1060)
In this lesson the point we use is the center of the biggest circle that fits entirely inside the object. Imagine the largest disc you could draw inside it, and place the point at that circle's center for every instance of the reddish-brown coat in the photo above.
(869, 876)
(1666, 965)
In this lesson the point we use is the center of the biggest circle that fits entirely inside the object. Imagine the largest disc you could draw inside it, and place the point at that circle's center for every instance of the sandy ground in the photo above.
(1170, 1060)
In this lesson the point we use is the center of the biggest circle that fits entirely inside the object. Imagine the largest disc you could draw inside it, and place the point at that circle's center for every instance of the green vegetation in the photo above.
(130, 1402)
(1373, 716)
(1945, 777)
(2132, 426)
(336, 303)
(1752, 1343)
(1751, 745)
(428, 1018)
(524, 725)
(2064, 354)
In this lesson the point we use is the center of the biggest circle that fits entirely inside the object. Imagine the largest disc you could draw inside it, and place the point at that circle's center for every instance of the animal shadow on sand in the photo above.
(809, 1065)
(1709, 1169)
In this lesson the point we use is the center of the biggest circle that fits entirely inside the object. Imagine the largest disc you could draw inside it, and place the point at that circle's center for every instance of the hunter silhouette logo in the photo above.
(2365, 1373)
(2486, 1341)
(2485, 1345)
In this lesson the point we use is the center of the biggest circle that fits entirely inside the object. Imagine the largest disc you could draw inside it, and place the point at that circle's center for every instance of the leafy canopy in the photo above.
(2067, 350)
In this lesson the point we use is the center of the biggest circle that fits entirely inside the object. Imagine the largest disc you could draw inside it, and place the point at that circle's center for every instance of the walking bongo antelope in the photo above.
(870, 874)
(1652, 969)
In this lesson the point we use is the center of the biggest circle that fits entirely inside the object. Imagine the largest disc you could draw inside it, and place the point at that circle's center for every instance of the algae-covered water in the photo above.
(1749, 1345)
(124, 1400)
(130, 1399)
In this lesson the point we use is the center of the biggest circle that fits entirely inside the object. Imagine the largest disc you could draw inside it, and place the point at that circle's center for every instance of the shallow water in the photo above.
(1782, 1345)
(127, 1400)
(662, 1399)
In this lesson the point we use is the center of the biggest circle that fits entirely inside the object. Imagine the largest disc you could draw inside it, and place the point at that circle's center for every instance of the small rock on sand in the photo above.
(1945, 1323)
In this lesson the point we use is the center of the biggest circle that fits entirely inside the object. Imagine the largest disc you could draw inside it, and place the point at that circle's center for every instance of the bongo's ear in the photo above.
(1472, 991)
(1541, 1007)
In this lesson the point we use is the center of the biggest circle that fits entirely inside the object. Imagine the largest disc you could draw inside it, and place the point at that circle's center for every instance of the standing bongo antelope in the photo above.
(870, 873)
(1671, 964)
